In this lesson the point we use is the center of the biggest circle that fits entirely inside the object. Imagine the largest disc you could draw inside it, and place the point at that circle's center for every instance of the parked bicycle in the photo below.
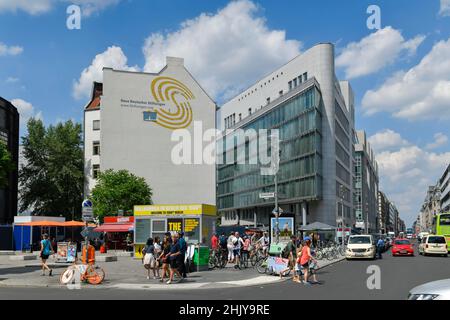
(88, 273)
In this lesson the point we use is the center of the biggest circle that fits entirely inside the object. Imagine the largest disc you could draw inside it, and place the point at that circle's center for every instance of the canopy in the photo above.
(317, 226)
(115, 227)
(42, 224)
(74, 224)
(46, 223)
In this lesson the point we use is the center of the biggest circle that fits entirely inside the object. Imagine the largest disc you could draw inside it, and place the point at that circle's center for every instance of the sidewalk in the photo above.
(128, 273)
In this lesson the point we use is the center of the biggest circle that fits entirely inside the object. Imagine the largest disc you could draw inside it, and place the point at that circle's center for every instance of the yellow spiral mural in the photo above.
(169, 89)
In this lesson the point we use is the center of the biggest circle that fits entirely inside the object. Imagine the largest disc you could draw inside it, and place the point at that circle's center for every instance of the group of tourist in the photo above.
(167, 256)
(301, 260)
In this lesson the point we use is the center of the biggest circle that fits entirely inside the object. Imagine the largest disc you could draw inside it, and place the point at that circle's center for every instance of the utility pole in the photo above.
(342, 195)
(367, 217)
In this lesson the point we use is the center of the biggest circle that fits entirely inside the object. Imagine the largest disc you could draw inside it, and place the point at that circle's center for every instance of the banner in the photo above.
(174, 225)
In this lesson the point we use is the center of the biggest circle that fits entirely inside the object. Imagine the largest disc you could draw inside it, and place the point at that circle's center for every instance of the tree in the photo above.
(119, 190)
(52, 181)
(6, 165)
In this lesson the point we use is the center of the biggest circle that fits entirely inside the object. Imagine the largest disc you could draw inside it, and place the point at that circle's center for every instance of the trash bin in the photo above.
(201, 258)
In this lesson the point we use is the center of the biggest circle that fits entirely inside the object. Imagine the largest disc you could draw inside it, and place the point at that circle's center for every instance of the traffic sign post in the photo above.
(87, 215)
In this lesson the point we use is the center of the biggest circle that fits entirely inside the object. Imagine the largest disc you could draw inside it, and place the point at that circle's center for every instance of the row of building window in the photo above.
(308, 188)
(251, 91)
(298, 81)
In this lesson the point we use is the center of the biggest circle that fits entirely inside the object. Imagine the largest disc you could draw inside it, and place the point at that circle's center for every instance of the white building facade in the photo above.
(129, 125)
(315, 115)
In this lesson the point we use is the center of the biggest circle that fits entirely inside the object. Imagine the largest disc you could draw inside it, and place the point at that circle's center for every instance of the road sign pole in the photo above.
(276, 209)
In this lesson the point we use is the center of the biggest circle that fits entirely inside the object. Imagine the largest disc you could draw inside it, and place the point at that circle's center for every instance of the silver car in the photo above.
(436, 290)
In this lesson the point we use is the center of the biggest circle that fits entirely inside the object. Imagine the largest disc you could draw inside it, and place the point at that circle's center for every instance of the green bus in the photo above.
(441, 227)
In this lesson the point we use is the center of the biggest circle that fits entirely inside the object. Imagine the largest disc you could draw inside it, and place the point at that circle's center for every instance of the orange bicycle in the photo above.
(88, 273)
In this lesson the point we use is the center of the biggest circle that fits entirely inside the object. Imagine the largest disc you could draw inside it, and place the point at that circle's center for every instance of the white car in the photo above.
(436, 290)
(360, 247)
(432, 244)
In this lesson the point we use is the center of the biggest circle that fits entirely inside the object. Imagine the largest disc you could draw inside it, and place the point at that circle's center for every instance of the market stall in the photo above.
(115, 231)
(197, 221)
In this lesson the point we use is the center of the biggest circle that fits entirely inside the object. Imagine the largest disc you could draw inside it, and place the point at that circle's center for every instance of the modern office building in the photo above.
(9, 136)
(444, 187)
(129, 124)
(383, 212)
(314, 113)
(391, 223)
(366, 185)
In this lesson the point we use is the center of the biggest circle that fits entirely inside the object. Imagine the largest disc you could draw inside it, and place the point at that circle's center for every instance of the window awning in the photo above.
(115, 227)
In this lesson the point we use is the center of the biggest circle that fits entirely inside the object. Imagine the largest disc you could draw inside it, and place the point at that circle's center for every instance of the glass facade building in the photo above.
(9, 136)
(299, 121)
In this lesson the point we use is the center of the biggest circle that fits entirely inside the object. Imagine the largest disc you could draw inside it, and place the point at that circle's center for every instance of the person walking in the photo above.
(149, 258)
(237, 246)
(46, 251)
(230, 247)
(223, 247)
(164, 257)
(380, 248)
(182, 257)
(174, 258)
(305, 259)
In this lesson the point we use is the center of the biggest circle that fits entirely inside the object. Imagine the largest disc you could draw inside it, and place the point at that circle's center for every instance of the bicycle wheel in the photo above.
(253, 259)
(223, 261)
(212, 262)
(261, 266)
(67, 276)
(95, 276)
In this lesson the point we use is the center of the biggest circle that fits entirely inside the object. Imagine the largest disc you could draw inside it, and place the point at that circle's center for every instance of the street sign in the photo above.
(279, 211)
(87, 214)
(87, 204)
(267, 195)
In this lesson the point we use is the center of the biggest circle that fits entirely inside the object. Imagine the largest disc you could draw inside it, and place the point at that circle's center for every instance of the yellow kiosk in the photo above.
(197, 221)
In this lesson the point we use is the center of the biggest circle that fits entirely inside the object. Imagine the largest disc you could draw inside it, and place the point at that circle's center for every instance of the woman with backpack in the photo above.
(46, 251)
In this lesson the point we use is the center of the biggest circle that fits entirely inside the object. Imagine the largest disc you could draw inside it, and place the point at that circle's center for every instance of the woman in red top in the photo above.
(306, 258)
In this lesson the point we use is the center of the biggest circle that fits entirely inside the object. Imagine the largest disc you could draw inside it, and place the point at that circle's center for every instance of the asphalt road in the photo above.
(344, 280)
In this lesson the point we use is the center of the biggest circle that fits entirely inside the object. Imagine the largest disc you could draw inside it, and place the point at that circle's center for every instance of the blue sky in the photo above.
(400, 74)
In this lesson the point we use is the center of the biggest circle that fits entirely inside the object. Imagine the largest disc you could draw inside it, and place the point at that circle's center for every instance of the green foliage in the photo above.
(52, 180)
(119, 190)
(6, 165)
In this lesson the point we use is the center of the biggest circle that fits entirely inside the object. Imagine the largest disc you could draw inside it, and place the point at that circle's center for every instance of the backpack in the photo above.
(286, 250)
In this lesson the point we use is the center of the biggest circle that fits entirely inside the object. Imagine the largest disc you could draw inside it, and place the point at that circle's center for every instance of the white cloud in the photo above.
(422, 92)
(440, 139)
(406, 173)
(35, 7)
(225, 51)
(376, 51)
(32, 7)
(6, 50)
(113, 57)
(26, 111)
(12, 80)
(387, 140)
(444, 10)
(88, 7)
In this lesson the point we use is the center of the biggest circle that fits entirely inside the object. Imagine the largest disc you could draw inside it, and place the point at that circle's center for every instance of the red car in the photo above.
(402, 247)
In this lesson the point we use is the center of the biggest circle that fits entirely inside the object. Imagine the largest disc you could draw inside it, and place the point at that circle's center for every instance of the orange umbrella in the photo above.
(74, 224)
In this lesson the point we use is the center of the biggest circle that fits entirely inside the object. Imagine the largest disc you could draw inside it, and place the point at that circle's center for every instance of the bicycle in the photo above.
(88, 273)
(262, 266)
(217, 259)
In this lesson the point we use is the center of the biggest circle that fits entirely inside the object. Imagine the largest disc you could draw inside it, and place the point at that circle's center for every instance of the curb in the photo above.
(159, 287)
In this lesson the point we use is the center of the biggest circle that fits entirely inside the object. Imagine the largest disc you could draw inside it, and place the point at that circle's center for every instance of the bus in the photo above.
(409, 233)
(441, 227)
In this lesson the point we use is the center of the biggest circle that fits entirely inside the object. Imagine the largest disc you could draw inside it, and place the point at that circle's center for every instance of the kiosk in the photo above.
(197, 221)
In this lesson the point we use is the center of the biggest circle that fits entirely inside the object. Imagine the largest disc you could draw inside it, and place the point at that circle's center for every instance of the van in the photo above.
(433, 244)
